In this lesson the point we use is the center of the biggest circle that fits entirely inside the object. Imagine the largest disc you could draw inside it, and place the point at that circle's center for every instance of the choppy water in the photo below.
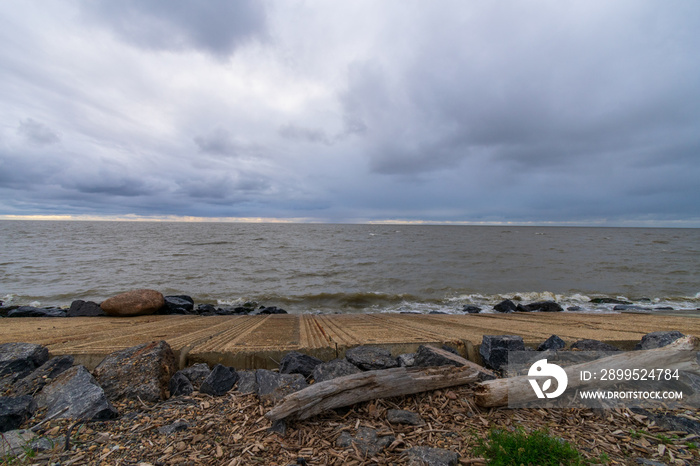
(348, 268)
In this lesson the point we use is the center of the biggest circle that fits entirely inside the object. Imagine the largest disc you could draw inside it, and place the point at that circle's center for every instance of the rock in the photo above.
(29, 311)
(247, 382)
(34, 382)
(471, 309)
(648, 462)
(593, 345)
(275, 386)
(17, 360)
(180, 385)
(177, 426)
(426, 456)
(78, 391)
(80, 308)
(406, 360)
(220, 380)
(180, 304)
(365, 440)
(141, 371)
(630, 307)
(658, 339)
(370, 358)
(552, 343)
(677, 423)
(206, 309)
(297, 363)
(427, 355)
(267, 310)
(196, 374)
(505, 306)
(16, 442)
(494, 349)
(609, 301)
(134, 303)
(540, 306)
(401, 416)
(14, 410)
(437, 312)
(332, 369)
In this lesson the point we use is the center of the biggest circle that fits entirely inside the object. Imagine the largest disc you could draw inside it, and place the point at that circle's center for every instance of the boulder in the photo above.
(332, 369)
(427, 355)
(275, 386)
(16, 442)
(196, 374)
(505, 306)
(297, 363)
(180, 304)
(14, 410)
(34, 382)
(206, 309)
(552, 343)
(219, 381)
(80, 308)
(17, 360)
(370, 358)
(180, 385)
(655, 340)
(593, 345)
(366, 440)
(540, 306)
(247, 382)
(630, 307)
(401, 416)
(494, 349)
(141, 371)
(267, 310)
(29, 311)
(609, 301)
(427, 456)
(76, 390)
(471, 309)
(133, 303)
(406, 359)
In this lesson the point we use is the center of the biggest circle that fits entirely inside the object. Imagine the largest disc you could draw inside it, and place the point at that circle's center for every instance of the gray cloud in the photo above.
(37, 133)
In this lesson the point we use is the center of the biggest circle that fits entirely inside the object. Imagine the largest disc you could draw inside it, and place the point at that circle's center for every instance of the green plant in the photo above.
(635, 433)
(691, 446)
(666, 440)
(503, 448)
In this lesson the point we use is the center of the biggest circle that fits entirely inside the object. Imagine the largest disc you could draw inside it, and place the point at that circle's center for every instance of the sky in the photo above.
(581, 112)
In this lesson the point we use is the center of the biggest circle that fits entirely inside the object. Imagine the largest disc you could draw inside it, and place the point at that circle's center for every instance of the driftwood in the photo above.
(678, 355)
(370, 385)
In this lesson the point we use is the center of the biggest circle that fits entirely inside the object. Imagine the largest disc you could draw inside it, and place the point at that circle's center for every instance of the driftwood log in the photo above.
(370, 385)
(678, 355)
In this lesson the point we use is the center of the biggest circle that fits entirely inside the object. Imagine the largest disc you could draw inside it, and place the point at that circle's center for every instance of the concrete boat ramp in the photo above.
(248, 342)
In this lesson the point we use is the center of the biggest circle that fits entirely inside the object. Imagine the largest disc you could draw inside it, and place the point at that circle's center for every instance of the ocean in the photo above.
(343, 268)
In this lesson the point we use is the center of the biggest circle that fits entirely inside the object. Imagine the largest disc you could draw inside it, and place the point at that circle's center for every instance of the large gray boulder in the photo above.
(196, 373)
(17, 360)
(369, 358)
(76, 390)
(494, 349)
(332, 369)
(275, 386)
(34, 382)
(298, 363)
(14, 410)
(220, 380)
(655, 340)
(80, 308)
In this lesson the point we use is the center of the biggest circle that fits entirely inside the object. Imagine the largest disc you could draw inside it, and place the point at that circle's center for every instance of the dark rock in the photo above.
(133, 303)
(29, 311)
(141, 371)
(297, 363)
(180, 304)
(206, 309)
(78, 391)
(14, 410)
(177, 426)
(196, 374)
(494, 349)
(406, 360)
(658, 340)
(247, 382)
(370, 358)
(15, 442)
(365, 440)
(663, 308)
(427, 355)
(180, 385)
(268, 310)
(275, 386)
(505, 306)
(609, 301)
(426, 456)
(401, 416)
(552, 343)
(34, 382)
(332, 369)
(17, 360)
(593, 345)
(540, 306)
(80, 308)
(280, 427)
(574, 308)
(648, 462)
(471, 309)
(676, 423)
(630, 307)
(437, 312)
(220, 380)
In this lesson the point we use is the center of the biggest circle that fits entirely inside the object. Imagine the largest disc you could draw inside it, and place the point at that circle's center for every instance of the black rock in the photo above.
(437, 312)
(196, 374)
(272, 385)
(401, 416)
(297, 363)
(247, 382)
(14, 410)
(593, 345)
(630, 307)
(370, 358)
(427, 356)
(180, 385)
(494, 349)
(332, 369)
(505, 306)
(80, 308)
(77, 390)
(268, 310)
(180, 304)
(609, 301)
(658, 340)
(29, 311)
(220, 380)
(427, 456)
(471, 309)
(17, 360)
(540, 306)
(366, 440)
(177, 426)
(34, 382)
(206, 309)
(552, 343)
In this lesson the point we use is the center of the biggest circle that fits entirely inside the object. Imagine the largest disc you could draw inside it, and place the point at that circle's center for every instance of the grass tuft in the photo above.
(503, 448)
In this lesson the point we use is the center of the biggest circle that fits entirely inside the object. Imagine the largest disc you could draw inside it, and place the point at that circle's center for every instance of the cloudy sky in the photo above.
(584, 112)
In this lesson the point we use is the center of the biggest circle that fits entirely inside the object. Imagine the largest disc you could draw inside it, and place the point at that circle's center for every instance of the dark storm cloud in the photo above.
(221, 141)
(216, 26)
(37, 133)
